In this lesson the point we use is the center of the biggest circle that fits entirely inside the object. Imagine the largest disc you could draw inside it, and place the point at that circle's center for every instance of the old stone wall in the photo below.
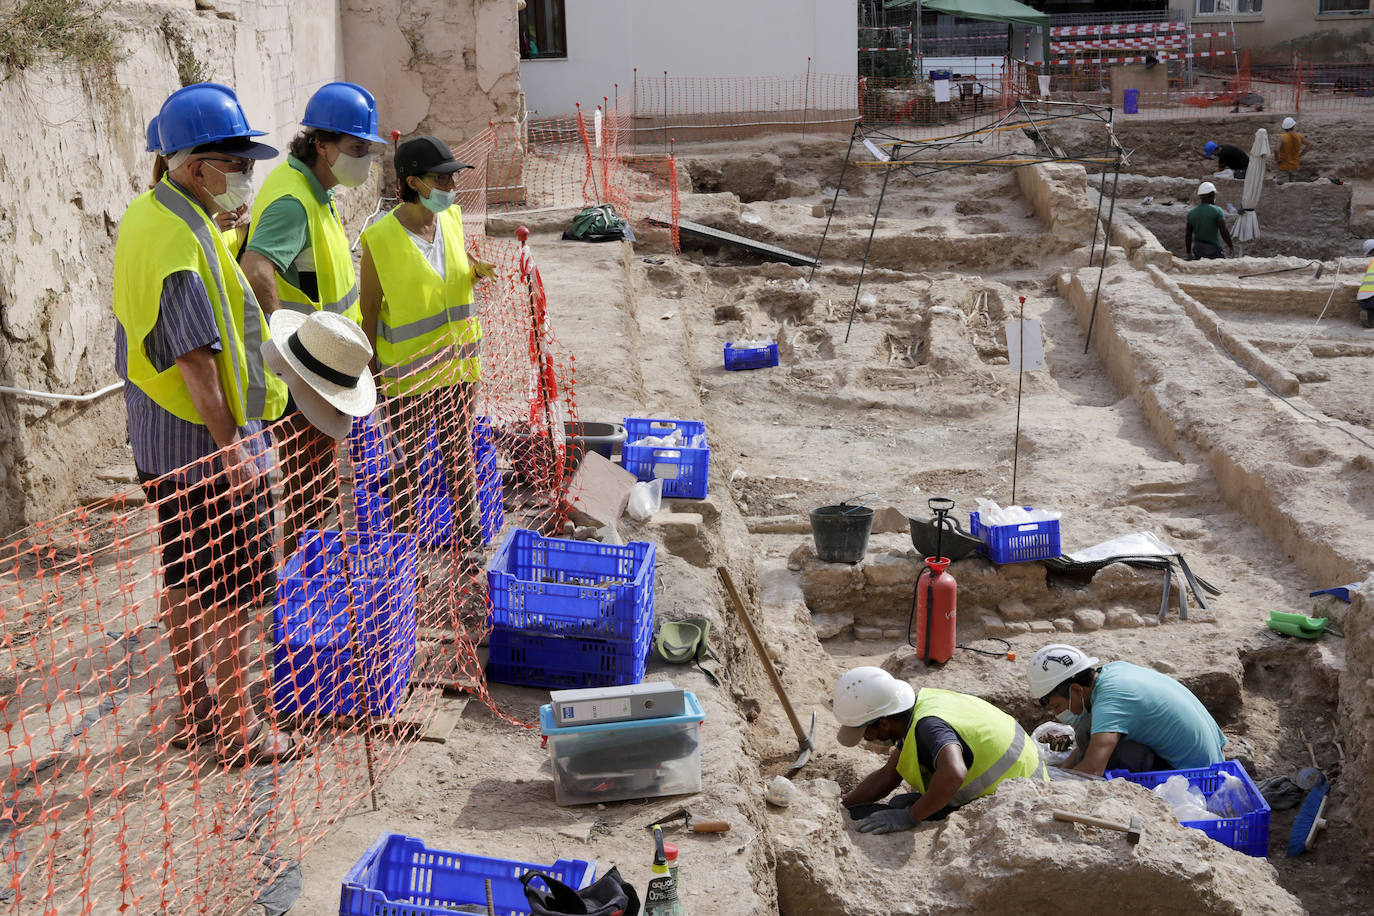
(440, 68)
(76, 159)
(1357, 705)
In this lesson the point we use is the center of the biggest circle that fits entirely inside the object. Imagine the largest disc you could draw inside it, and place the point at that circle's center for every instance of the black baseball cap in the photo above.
(425, 155)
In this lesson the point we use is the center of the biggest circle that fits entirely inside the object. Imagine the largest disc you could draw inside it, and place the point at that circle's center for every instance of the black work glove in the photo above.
(893, 820)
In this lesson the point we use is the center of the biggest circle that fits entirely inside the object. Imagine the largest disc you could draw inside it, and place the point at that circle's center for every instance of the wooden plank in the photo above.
(721, 237)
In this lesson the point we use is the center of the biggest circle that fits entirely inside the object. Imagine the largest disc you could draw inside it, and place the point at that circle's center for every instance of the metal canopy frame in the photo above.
(923, 157)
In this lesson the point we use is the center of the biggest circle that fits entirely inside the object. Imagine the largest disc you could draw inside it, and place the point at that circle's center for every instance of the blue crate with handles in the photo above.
(764, 357)
(400, 876)
(1016, 543)
(567, 662)
(434, 508)
(1248, 833)
(583, 589)
(313, 670)
(684, 471)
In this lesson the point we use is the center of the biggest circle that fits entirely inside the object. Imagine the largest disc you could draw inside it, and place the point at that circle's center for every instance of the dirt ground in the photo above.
(919, 402)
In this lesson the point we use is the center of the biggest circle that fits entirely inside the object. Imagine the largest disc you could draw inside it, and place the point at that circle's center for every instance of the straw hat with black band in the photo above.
(323, 358)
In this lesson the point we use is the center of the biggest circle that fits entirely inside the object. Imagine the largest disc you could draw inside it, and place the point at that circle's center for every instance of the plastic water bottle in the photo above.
(661, 897)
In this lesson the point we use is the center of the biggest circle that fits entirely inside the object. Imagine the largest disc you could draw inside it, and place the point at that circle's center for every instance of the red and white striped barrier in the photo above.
(1127, 28)
(1162, 56)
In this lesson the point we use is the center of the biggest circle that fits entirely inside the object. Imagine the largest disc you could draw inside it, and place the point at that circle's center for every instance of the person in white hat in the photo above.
(1126, 717)
(949, 747)
(323, 358)
(1365, 296)
(1291, 147)
(1206, 226)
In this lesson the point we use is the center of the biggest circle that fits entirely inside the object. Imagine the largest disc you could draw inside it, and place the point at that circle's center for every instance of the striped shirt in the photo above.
(163, 442)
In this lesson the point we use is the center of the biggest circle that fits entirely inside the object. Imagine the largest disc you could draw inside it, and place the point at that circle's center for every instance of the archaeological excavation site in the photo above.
(534, 457)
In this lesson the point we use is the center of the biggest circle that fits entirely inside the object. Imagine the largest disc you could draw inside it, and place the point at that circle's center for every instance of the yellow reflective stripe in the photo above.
(187, 212)
(419, 328)
(1367, 285)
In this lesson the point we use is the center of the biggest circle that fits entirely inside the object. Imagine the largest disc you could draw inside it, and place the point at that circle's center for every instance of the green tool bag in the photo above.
(597, 224)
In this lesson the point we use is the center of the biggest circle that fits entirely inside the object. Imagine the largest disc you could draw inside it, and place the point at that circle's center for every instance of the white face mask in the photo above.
(351, 171)
(238, 188)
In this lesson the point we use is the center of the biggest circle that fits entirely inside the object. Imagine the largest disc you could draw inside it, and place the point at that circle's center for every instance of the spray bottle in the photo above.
(661, 897)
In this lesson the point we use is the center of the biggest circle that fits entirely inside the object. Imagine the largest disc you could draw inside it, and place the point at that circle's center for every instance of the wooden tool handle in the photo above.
(710, 827)
(764, 657)
(1090, 821)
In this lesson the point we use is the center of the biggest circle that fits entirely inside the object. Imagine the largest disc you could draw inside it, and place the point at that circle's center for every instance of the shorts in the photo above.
(218, 547)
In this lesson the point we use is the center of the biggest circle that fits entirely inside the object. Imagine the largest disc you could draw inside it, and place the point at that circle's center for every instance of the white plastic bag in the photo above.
(1230, 799)
(646, 498)
(1188, 802)
(1043, 732)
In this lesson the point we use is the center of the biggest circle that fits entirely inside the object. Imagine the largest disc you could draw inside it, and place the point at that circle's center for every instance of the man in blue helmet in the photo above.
(197, 393)
(1230, 158)
(298, 258)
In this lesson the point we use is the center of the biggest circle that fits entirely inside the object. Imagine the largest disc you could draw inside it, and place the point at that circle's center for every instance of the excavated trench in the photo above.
(921, 402)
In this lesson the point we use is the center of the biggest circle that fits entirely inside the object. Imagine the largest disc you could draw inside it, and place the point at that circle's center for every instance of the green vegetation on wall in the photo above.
(34, 31)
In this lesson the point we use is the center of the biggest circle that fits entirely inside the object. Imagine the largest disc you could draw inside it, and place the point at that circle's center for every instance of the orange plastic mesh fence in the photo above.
(316, 598)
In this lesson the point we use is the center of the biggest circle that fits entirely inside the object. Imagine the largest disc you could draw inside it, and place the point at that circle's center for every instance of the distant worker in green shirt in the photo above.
(1206, 226)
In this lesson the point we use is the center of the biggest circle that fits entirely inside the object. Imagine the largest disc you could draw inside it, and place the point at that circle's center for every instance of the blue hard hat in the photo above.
(344, 108)
(207, 113)
(1209, 148)
(154, 141)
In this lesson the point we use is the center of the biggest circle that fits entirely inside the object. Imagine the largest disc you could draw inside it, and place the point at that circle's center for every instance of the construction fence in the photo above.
(294, 597)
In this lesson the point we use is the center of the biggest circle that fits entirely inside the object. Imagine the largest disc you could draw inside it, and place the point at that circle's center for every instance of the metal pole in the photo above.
(1020, 371)
(1106, 244)
(806, 96)
(1101, 193)
(867, 248)
(920, 59)
(835, 200)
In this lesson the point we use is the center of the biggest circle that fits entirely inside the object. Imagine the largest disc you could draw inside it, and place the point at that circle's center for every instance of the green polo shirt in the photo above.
(1205, 218)
(281, 234)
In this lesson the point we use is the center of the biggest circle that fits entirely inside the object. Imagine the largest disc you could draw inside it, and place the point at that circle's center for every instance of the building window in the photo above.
(1344, 6)
(1230, 7)
(542, 32)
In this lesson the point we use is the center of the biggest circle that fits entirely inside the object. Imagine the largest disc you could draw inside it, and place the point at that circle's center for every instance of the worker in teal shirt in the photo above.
(1126, 717)
(1206, 226)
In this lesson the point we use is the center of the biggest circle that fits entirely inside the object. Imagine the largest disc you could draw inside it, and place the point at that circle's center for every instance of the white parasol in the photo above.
(1247, 224)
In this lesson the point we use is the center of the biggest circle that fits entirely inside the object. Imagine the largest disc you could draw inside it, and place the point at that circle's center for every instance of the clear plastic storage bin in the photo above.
(612, 761)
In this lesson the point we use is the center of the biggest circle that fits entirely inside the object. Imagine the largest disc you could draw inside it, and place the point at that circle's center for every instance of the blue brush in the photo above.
(1310, 820)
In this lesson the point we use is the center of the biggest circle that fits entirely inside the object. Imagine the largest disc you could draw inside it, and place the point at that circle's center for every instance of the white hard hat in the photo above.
(1052, 665)
(1289, 124)
(868, 693)
(1206, 188)
(1368, 246)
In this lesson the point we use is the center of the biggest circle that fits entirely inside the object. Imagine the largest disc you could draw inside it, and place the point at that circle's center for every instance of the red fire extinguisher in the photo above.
(935, 598)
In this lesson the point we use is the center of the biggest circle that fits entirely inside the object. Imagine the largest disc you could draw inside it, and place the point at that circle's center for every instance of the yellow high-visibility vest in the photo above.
(338, 282)
(428, 334)
(1001, 748)
(1367, 284)
(165, 232)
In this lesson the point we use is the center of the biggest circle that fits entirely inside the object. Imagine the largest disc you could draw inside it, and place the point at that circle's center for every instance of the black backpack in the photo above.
(608, 896)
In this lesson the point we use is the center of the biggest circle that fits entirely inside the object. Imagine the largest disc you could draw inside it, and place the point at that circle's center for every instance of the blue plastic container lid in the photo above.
(548, 727)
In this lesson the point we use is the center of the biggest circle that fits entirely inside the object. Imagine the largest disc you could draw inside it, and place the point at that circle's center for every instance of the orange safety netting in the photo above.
(324, 601)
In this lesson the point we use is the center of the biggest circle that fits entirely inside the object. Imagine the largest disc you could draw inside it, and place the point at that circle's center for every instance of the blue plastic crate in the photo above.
(434, 506)
(684, 471)
(367, 449)
(401, 876)
(1016, 543)
(1248, 834)
(566, 662)
(764, 357)
(313, 666)
(582, 589)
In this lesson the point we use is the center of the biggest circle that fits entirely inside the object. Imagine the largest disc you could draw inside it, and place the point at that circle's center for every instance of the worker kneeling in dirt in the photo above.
(950, 747)
(1365, 294)
(1125, 717)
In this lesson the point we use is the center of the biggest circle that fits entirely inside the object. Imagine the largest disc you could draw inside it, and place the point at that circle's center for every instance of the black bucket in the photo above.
(584, 437)
(841, 532)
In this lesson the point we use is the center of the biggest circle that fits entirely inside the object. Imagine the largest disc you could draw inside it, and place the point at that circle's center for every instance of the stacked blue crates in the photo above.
(372, 487)
(314, 669)
(568, 614)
